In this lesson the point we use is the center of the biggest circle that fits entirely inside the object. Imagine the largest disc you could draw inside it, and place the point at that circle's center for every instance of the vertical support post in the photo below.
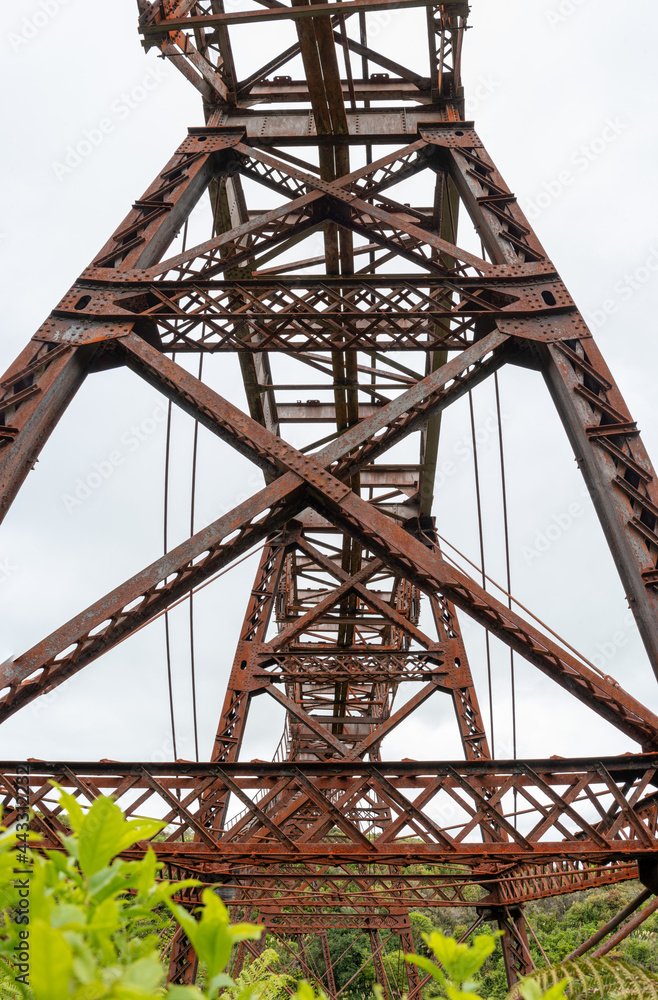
(516, 949)
(329, 977)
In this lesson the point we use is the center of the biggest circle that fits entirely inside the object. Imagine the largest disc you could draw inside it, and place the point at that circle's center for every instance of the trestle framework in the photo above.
(385, 319)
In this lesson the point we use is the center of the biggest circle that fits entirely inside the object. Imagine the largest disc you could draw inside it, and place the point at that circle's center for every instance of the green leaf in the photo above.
(305, 992)
(72, 807)
(187, 922)
(108, 882)
(427, 966)
(105, 832)
(556, 992)
(221, 979)
(530, 990)
(84, 964)
(145, 974)
(147, 871)
(185, 993)
(460, 961)
(62, 863)
(66, 914)
(453, 993)
(139, 829)
(246, 932)
(105, 918)
(51, 963)
(100, 835)
(213, 944)
(164, 890)
(71, 845)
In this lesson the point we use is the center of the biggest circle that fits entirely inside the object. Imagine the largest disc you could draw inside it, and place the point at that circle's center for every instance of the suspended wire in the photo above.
(484, 575)
(195, 447)
(192, 510)
(498, 586)
(166, 549)
(508, 572)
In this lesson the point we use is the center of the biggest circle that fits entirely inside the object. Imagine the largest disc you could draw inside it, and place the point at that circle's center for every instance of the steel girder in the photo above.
(332, 625)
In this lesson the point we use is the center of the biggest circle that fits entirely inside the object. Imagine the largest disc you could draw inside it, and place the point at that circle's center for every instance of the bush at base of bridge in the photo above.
(85, 924)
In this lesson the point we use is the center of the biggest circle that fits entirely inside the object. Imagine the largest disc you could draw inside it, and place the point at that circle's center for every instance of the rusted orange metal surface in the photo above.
(366, 296)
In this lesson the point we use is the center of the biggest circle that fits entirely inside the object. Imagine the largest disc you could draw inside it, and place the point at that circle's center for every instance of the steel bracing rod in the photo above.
(346, 190)
(181, 52)
(133, 604)
(154, 31)
(361, 889)
(615, 465)
(267, 230)
(611, 925)
(460, 682)
(227, 421)
(356, 583)
(374, 666)
(329, 977)
(36, 390)
(233, 719)
(376, 532)
(287, 178)
(348, 584)
(258, 76)
(182, 786)
(375, 528)
(627, 929)
(230, 210)
(431, 573)
(249, 316)
(516, 950)
(366, 745)
(156, 218)
(371, 437)
(209, 80)
(484, 810)
(342, 191)
(45, 665)
(526, 882)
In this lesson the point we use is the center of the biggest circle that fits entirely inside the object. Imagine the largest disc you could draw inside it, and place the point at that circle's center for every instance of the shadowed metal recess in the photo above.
(361, 314)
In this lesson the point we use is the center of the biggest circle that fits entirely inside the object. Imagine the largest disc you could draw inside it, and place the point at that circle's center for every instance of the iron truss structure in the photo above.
(350, 287)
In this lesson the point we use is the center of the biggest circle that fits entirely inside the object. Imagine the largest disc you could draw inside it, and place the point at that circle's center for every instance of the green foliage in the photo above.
(458, 964)
(97, 924)
(259, 978)
(594, 979)
(212, 938)
(95, 919)
(87, 937)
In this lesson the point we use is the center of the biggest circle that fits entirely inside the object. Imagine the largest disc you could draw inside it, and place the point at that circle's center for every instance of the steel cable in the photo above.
(166, 546)
(498, 586)
(192, 510)
(165, 519)
(508, 571)
(483, 572)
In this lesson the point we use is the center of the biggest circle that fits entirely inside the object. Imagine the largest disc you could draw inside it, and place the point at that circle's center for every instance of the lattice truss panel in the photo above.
(385, 318)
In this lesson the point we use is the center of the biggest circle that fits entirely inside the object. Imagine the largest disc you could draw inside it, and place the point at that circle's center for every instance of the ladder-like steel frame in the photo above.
(329, 835)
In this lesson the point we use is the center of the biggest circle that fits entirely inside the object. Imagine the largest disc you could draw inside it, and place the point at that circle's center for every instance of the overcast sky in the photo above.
(563, 94)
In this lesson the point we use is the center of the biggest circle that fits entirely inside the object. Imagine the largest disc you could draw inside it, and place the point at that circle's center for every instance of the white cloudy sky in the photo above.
(544, 80)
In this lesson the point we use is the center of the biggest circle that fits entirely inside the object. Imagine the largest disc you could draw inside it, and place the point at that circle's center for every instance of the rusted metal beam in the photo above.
(155, 31)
